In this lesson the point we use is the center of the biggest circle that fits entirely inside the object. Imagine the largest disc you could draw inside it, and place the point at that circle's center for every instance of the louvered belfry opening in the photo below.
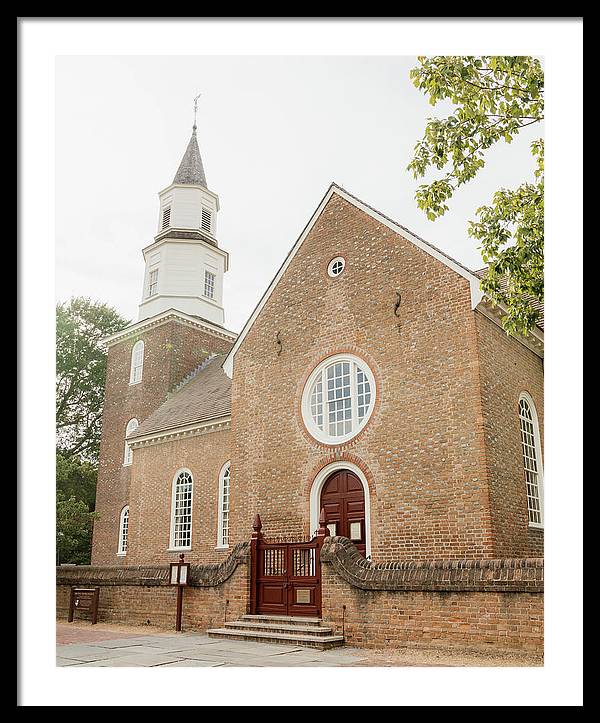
(206, 223)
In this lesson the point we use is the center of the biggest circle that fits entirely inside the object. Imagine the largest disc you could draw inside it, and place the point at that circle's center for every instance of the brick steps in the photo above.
(307, 632)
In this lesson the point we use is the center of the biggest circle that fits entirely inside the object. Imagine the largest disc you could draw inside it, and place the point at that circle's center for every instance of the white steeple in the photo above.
(184, 265)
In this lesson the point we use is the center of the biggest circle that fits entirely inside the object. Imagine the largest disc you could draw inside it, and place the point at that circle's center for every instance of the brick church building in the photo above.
(372, 393)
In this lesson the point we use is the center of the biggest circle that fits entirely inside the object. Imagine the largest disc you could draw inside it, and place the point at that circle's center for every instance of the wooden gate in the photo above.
(286, 575)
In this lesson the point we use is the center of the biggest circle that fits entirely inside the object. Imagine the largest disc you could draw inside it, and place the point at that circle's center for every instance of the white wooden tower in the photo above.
(184, 264)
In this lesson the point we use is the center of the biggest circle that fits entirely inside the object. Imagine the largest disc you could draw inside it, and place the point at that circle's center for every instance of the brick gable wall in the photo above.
(171, 351)
(423, 448)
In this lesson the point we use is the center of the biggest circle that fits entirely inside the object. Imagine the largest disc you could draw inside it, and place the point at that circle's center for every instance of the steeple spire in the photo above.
(191, 170)
(184, 264)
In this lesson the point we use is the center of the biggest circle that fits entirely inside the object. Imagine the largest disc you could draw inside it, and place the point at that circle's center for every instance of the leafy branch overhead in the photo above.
(495, 98)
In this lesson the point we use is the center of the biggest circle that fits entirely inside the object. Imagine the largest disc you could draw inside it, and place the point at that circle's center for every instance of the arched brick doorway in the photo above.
(343, 499)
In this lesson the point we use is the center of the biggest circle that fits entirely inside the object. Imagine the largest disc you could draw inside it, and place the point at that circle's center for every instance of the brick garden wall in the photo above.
(465, 602)
(143, 595)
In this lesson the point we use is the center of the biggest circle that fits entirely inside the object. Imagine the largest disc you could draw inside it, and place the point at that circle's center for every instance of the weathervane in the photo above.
(196, 108)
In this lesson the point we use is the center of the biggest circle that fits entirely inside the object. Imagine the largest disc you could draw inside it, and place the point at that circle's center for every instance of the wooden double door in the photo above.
(343, 499)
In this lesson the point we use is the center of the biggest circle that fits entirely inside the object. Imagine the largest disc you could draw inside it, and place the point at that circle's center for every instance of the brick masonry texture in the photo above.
(427, 451)
(506, 370)
(171, 351)
(454, 558)
(507, 575)
(465, 602)
(153, 470)
(142, 594)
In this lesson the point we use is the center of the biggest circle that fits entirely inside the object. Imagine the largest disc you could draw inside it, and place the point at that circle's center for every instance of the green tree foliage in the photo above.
(73, 530)
(76, 478)
(80, 371)
(495, 97)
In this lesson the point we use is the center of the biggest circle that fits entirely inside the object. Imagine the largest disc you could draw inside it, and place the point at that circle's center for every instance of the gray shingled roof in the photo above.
(538, 305)
(204, 395)
(191, 170)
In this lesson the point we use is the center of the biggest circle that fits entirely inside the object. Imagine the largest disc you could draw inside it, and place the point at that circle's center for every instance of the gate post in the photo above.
(322, 533)
(323, 530)
(256, 536)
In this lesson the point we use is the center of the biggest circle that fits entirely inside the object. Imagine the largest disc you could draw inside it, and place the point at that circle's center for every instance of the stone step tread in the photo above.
(296, 619)
(318, 631)
(283, 637)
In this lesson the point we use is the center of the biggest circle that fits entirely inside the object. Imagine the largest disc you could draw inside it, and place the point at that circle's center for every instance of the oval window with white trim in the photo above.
(338, 399)
(336, 266)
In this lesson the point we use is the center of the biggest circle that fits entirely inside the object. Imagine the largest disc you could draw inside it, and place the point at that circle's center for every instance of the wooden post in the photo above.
(179, 607)
(71, 604)
(323, 530)
(179, 596)
(256, 536)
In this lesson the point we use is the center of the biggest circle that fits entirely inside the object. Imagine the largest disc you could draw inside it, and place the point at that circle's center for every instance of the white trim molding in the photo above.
(537, 445)
(218, 424)
(315, 496)
(318, 375)
(164, 318)
(172, 546)
(534, 341)
(123, 532)
(225, 469)
(132, 425)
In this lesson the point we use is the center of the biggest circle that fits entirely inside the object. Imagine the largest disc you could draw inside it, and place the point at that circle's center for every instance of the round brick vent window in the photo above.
(338, 399)
(336, 266)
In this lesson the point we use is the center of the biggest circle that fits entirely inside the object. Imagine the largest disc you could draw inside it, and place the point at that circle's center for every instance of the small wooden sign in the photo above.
(85, 599)
(180, 573)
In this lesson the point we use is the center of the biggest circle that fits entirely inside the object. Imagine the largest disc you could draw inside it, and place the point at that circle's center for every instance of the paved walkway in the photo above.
(80, 644)
(87, 647)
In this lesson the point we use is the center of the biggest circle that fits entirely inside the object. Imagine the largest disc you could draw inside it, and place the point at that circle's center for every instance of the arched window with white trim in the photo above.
(181, 511)
(137, 362)
(123, 531)
(132, 425)
(532, 460)
(223, 516)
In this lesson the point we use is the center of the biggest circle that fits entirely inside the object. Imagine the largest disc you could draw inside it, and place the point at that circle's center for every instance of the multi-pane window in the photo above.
(181, 517)
(209, 284)
(532, 459)
(137, 362)
(338, 399)
(206, 221)
(132, 425)
(123, 531)
(166, 217)
(153, 283)
(223, 526)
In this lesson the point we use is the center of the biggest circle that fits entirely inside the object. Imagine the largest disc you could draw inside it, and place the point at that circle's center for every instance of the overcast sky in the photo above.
(274, 132)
